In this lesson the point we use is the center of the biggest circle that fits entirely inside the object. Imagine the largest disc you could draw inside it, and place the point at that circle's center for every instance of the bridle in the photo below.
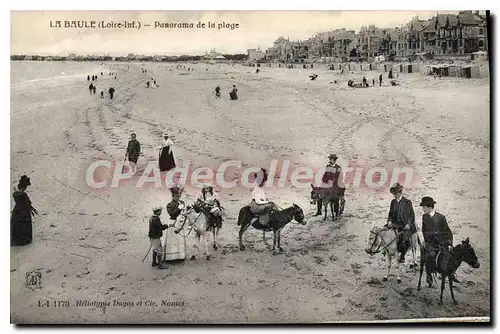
(184, 214)
(378, 250)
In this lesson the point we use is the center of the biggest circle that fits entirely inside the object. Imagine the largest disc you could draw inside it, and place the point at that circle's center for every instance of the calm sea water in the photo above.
(32, 71)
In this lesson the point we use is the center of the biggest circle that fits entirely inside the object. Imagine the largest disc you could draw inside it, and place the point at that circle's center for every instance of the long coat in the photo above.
(436, 230)
(405, 216)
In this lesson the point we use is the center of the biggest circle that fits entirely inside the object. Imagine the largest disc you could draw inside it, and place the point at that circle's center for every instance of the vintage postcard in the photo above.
(250, 167)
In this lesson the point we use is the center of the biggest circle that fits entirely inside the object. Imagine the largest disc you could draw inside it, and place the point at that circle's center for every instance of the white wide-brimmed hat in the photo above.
(157, 208)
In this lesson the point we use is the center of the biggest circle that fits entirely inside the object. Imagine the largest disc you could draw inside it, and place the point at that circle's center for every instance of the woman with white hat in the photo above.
(166, 156)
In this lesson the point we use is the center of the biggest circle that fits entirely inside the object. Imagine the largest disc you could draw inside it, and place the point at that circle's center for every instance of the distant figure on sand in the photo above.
(365, 83)
(88, 77)
(217, 92)
(91, 88)
(147, 84)
(21, 225)
(111, 92)
(379, 80)
(133, 149)
(102, 94)
(373, 83)
(166, 156)
(233, 95)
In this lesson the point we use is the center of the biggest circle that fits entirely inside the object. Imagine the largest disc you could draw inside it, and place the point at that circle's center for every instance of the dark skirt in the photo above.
(166, 160)
(21, 228)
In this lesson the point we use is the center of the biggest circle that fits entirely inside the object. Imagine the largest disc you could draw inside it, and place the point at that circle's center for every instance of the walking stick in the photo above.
(149, 250)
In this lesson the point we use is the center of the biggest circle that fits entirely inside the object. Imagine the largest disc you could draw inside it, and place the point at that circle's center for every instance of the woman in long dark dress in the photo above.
(21, 229)
(166, 158)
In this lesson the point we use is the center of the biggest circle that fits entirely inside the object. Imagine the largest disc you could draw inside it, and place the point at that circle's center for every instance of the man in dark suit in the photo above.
(133, 149)
(436, 232)
(402, 219)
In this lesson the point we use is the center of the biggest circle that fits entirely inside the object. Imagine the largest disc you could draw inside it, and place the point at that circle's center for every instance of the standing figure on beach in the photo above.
(217, 92)
(21, 229)
(166, 156)
(156, 228)
(102, 94)
(147, 84)
(379, 80)
(88, 77)
(233, 95)
(365, 83)
(91, 88)
(94, 89)
(133, 149)
(111, 92)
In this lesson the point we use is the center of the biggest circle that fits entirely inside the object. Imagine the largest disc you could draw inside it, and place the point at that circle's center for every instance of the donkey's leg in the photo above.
(336, 206)
(443, 278)
(205, 240)
(388, 258)
(215, 230)
(275, 237)
(450, 281)
(279, 241)
(333, 213)
(243, 228)
(325, 207)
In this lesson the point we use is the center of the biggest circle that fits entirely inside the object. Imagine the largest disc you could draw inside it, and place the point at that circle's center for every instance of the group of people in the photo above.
(166, 159)
(149, 84)
(233, 94)
(435, 230)
(206, 203)
(93, 88)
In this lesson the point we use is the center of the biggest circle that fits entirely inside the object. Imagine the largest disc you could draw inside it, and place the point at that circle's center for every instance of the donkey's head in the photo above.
(315, 194)
(469, 255)
(298, 214)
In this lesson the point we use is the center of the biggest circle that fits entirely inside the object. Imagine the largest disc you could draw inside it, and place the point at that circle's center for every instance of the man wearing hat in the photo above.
(402, 219)
(436, 232)
(333, 173)
(155, 233)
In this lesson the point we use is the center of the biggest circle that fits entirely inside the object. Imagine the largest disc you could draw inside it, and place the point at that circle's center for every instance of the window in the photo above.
(481, 31)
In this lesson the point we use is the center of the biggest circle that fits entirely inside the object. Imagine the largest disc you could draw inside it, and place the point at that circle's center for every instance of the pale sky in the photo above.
(31, 33)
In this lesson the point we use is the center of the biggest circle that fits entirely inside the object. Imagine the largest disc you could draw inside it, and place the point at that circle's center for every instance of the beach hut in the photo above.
(409, 68)
(469, 71)
(480, 56)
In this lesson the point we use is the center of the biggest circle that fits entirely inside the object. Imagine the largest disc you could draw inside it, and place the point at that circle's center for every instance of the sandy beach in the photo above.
(88, 244)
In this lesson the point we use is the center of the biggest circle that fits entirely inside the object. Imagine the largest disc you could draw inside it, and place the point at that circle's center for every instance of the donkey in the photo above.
(328, 196)
(214, 218)
(446, 263)
(382, 239)
(188, 217)
(276, 223)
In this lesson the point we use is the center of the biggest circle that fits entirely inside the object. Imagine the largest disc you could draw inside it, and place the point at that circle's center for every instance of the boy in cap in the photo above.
(155, 233)
(333, 173)
(436, 232)
(401, 218)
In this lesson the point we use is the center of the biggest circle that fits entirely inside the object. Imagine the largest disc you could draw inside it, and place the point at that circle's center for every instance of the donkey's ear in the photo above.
(312, 186)
(467, 240)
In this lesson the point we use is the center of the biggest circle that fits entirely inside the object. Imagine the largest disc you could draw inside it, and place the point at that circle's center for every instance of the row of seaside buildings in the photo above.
(441, 37)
